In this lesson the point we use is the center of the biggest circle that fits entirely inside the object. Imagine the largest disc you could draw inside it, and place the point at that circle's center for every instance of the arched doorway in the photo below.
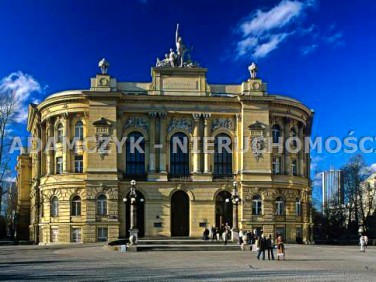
(223, 209)
(140, 214)
(180, 214)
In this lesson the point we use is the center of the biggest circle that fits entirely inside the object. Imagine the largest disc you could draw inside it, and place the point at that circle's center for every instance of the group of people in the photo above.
(223, 233)
(266, 244)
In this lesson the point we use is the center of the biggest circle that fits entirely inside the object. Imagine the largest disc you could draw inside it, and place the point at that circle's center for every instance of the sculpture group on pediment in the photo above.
(181, 58)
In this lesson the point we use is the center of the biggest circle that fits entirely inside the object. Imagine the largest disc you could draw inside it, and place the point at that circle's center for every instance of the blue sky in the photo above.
(320, 52)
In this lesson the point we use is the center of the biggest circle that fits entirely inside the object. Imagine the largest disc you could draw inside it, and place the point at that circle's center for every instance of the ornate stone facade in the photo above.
(76, 195)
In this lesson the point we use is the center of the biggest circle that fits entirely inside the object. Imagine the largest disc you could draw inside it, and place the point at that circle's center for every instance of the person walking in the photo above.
(270, 245)
(214, 233)
(280, 248)
(365, 241)
(262, 246)
(362, 243)
(225, 236)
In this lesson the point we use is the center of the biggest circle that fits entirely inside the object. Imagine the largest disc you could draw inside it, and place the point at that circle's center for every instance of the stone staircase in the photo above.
(180, 244)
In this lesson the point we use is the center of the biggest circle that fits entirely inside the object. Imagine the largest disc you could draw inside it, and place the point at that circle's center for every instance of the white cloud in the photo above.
(263, 31)
(309, 49)
(335, 39)
(277, 17)
(10, 179)
(373, 167)
(265, 48)
(22, 86)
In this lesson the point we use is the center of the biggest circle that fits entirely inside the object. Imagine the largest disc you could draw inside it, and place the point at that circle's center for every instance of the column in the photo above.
(43, 144)
(301, 152)
(38, 154)
(152, 117)
(162, 139)
(66, 151)
(207, 135)
(50, 153)
(195, 141)
(286, 134)
(238, 143)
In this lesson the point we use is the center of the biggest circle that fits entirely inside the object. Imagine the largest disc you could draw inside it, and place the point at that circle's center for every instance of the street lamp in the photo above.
(133, 231)
(235, 199)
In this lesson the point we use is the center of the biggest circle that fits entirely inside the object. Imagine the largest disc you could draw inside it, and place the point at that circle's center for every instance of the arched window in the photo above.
(59, 133)
(298, 207)
(276, 133)
(76, 206)
(256, 205)
(102, 205)
(79, 130)
(222, 156)
(279, 206)
(179, 156)
(54, 206)
(135, 155)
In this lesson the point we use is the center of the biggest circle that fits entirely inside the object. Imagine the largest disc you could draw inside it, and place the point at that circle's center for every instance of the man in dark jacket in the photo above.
(270, 246)
(262, 244)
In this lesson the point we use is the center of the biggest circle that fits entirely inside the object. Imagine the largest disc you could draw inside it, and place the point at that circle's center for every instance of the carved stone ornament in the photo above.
(133, 121)
(257, 130)
(222, 123)
(258, 147)
(102, 135)
(180, 124)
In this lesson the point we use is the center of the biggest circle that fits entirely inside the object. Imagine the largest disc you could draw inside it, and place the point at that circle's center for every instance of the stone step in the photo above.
(176, 247)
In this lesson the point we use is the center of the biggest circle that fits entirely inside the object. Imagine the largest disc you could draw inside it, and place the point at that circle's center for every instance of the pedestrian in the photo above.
(221, 230)
(214, 233)
(280, 248)
(244, 239)
(262, 244)
(225, 236)
(362, 244)
(240, 241)
(206, 234)
(270, 246)
(366, 241)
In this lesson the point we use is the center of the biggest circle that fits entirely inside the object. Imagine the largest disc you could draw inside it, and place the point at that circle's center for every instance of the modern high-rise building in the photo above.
(332, 188)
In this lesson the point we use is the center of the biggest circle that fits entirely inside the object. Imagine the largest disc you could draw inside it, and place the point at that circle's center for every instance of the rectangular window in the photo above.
(78, 164)
(102, 234)
(279, 207)
(298, 208)
(54, 235)
(294, 169)
(276, 165)
(59, 165)
(76, 235)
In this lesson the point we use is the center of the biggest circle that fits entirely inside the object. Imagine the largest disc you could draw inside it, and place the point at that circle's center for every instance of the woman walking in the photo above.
(280, 248)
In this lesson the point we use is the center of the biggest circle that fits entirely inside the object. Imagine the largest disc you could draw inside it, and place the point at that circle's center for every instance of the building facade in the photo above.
(332, 188)
(79, 194)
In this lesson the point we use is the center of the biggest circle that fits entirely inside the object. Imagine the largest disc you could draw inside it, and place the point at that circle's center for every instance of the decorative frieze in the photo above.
(180, 124)
(136, 122)
(226, 123)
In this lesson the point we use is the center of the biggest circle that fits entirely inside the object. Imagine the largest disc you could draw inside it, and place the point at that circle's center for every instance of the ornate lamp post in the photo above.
(235, 198)
(133, 231)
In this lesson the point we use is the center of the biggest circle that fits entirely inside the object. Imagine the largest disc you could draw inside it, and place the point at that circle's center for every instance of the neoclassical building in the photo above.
(77, 194)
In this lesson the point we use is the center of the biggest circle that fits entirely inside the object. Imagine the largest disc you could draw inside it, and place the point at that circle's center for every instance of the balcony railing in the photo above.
(223, 176)
(179, 177)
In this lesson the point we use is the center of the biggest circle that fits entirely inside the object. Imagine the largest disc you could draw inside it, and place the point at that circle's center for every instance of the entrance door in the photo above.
(223, 209)
(180, 214)
(140, 214)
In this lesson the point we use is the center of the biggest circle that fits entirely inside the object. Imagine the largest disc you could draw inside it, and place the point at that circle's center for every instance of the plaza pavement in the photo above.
(95, 262)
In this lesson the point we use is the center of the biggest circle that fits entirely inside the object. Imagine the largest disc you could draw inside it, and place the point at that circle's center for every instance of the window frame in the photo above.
(279, 206)
(222, 161)
(54, 206)
(135, 162)
(102, 205)
(59, 165)
(100, 237)
(298, 207)
(59, 133)
(78, 164)
(276, 133)
(257, 205)
(79, 130)
(274, 164)
(179, 161)
(76, 205)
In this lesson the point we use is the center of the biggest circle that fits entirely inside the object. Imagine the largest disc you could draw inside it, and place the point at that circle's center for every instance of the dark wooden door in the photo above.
(180, 214)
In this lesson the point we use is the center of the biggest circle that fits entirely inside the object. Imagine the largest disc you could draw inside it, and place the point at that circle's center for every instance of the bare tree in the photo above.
(8, 105)
(354, 173)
